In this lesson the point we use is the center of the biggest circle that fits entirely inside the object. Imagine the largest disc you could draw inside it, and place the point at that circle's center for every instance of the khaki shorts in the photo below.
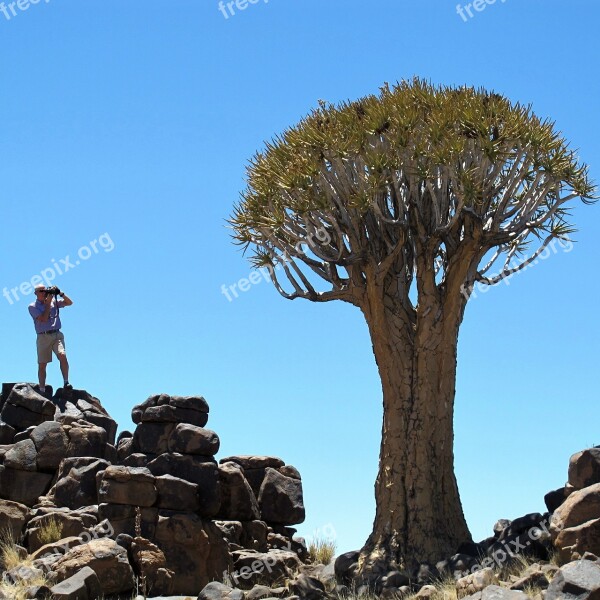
(47, 343)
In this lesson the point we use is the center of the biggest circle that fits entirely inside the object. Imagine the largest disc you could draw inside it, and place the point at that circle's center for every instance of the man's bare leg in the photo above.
(42, 375)
(64, 367)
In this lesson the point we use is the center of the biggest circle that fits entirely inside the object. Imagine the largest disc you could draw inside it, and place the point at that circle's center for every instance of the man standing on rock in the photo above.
(46, 318)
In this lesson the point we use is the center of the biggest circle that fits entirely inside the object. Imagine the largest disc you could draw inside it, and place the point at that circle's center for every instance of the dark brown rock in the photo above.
(138, 459)
(21, 417)
(86, 440)
(149, 562)
(251, 567)
(152, 437)
(254, 535)
(107, 423)
(13, 517)
(255, 477)
(173, 414)
(127, 485)
(51, 443)
(554, 499)
(21, 456)
(231, 530)
(584, 468)
(83, 585)
(307, 587)
(67, 413)
(190, 439)
(23, 395)
(70, 525)
(195, 550)
(177, 494)
(7, 433)
(189, 405)
(57, 548)
(237, 498)
(76, 483)
(280, 499)
(23, 486)
(122, 519)
(581, 506)
(254, 462)
(195, 469)
(290, 471)
(573, 542)
(125, 449)
(219, 591)
(106, 558)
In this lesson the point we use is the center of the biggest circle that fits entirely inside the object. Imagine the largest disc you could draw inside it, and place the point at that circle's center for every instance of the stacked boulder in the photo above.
(38, 434)
(261, 499)
(157, 509)
(169, 480)
(575, 524)
(210, 520)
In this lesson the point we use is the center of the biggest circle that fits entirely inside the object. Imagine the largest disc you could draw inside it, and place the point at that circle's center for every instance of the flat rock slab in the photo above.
(494, 592)
(165, 598)
(175, 409)
(254, 462)
(24, 487)
(579, 580)
(22, 394)
(127, 485)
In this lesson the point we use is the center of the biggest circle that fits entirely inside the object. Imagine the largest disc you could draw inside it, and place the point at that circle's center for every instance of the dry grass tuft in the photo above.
(11, 559)
(9, 554)
(321, 550)
(50, 531)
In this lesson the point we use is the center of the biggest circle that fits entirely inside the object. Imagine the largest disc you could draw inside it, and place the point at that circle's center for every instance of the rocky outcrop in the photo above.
(156, 509)
(106, 558)
(72, 424)
(575, 524)
(160, 514)
(276, 486)
(168, 467)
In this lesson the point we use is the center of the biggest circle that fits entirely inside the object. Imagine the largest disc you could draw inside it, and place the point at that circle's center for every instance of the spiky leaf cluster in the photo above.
(401, 183)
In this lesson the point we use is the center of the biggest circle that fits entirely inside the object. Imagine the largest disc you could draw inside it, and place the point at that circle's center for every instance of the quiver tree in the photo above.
(399, 203)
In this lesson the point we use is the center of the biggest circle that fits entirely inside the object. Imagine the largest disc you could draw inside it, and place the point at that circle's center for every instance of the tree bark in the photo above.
(419, 516)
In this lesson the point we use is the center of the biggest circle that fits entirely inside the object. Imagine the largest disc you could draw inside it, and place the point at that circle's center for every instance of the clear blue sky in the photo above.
(135, 120)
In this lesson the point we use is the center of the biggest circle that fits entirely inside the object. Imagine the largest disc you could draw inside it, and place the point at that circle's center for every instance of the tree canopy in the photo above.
(417, 170)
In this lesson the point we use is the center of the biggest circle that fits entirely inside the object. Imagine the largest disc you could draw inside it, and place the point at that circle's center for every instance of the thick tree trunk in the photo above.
(419, 515)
